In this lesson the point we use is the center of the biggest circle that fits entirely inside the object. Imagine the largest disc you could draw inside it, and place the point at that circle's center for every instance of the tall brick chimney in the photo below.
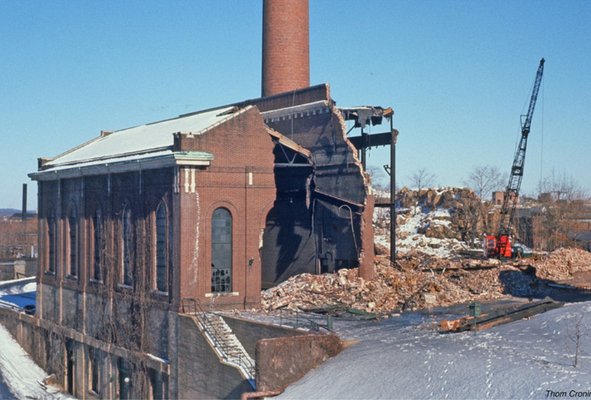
(286, 46)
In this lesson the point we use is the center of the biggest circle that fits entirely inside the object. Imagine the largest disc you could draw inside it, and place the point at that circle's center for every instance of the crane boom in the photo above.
(512, 190)
(500, 245)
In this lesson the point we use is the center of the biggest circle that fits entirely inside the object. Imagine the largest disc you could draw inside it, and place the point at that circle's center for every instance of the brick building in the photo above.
(206, 206)
(210, 207)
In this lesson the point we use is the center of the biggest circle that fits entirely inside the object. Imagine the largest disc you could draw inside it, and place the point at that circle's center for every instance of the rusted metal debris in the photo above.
(498, 317)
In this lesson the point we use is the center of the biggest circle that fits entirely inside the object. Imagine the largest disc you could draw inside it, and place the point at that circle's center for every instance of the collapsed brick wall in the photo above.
(317, 221)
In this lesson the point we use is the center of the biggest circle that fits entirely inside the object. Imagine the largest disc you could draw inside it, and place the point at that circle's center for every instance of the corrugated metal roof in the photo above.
(141, 139)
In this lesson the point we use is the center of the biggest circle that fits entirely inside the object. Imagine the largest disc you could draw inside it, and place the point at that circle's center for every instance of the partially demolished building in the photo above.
(210, 207)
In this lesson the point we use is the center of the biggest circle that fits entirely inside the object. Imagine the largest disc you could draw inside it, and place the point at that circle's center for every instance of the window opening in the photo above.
(127, 244)
(73, 233)
(98, 244)
(221, 251)
(162, 242)
(52, 241)
(94, 369)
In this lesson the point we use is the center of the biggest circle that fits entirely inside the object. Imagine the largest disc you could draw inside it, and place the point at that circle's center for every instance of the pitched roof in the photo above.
(142, 139)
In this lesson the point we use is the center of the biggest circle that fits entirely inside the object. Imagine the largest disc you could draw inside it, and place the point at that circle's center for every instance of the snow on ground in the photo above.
(20, 374)
(409, 238)
(406, 358)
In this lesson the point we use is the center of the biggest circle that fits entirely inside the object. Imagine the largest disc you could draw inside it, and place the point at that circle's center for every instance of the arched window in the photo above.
(126, 247)
(162, 245)
(73, 241)
(221, 251)
(51, 242)
(98, 243)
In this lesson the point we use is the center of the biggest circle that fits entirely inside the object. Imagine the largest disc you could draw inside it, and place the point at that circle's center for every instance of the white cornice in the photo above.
(158, 160)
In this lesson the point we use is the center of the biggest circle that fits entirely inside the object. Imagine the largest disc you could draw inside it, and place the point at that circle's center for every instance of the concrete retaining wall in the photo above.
(250, 332)
(199, 372)
(282, 361)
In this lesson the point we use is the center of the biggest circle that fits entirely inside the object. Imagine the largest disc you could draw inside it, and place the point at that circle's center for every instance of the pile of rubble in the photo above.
(435, 222)
(563, 264)
(422, 281)
(430, 198)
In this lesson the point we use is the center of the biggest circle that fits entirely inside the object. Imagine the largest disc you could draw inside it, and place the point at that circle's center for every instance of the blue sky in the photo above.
(457, 73)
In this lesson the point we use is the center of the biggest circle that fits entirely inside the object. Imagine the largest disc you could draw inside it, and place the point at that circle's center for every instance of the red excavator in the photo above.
(499, 245)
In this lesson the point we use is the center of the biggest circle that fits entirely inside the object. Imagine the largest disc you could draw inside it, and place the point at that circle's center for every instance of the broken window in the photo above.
(97, 222)
(221, 251)
(162, 243)
(73, 238)
(127, 246)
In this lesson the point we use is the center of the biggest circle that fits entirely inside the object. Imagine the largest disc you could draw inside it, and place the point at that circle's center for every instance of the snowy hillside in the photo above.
(406, 358)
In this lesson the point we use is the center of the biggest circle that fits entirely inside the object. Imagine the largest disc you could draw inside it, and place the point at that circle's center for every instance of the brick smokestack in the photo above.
(286, 46)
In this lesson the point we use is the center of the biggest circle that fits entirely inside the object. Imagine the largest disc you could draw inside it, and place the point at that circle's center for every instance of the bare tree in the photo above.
(560, 188)
(484, 179)
(562, 202)
(575, 334)
(422, 179)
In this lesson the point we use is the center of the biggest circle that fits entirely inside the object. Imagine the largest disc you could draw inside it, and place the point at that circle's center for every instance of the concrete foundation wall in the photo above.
(282, 355)
(249, 332)
(282, 361)
(68, 354)
(30, 337)
(200, 374)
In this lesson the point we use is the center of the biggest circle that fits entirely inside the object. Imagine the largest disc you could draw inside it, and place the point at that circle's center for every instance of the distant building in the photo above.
(18, 237)
(498, 197)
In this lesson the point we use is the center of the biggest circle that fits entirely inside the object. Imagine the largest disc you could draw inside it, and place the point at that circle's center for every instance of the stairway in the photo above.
(225, 344)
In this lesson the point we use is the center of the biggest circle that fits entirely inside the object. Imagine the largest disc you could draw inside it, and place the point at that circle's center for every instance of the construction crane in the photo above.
(500, 245)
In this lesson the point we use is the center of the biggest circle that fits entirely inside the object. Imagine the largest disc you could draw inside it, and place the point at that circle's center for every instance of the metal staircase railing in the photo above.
(221, 338)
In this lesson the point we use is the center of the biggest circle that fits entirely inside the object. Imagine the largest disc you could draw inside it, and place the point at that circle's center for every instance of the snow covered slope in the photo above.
(20, 374)
(405, 358)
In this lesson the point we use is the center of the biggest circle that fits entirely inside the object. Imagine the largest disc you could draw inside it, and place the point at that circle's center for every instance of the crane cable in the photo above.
(540, 188)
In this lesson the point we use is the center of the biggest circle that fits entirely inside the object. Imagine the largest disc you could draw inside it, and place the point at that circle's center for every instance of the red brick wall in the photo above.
(286, 60)
(367, 256)
(240, 147)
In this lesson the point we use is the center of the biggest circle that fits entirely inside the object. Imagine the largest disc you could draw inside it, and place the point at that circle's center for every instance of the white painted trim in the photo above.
(222, 294)
(114, 167)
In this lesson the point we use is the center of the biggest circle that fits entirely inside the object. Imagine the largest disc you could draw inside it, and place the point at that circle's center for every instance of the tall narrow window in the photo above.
(125, 383)
(162, 243)
(51, 242)
(97, 222)
(221, 251)
(94, 370)
(73, 245)
(127, 247)
(159, 384)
